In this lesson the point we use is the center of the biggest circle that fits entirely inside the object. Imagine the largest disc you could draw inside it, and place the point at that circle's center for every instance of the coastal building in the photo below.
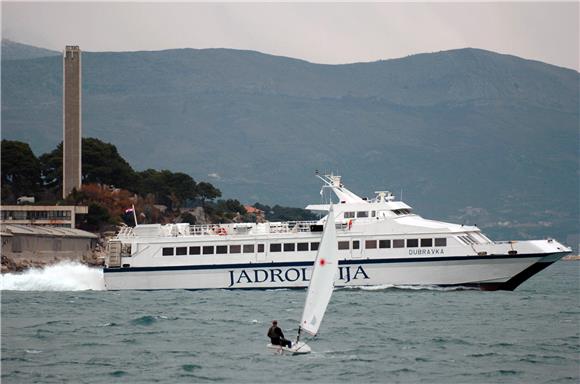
(27, 245)
(72, 118)
(42, 215)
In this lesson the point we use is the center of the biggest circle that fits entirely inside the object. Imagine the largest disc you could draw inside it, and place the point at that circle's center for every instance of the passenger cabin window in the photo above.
(362, 214)
(370, 244)
(235, 249)
(441, 242)
(249, 248)
(208, 249)
(167, 252)
(194, 250)
(373, 213)
(260, 248)
(314, 246)
(349, 215)
(221, 249)
(426, 242)
(412, 243)
(399, 243)
(355, 244)
(180, 251)
(302, 247)
(276, 247)
(343, 245)
(289, 247)
(384, 243)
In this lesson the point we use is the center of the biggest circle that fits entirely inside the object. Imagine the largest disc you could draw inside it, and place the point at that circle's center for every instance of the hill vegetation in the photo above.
(111, 186)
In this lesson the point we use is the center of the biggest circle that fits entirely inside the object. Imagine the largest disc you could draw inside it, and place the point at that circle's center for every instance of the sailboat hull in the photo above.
(298, 348)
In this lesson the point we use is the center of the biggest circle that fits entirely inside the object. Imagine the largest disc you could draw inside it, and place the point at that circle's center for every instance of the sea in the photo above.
(59, 325)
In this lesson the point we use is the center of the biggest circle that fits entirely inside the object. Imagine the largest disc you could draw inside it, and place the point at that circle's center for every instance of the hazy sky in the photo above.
(317, 32)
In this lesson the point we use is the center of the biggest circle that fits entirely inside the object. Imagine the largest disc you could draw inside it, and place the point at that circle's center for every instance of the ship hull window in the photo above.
(249, 248)
(167, 252)
(343, 245)
(194, 250)
(314, 246)
(302, 247)
(289, 247)
(208, 250)
(370, 244)
(441, 242)
(426, 242)
(384, 243)
(276, 247)
(260, 248)
(362, 214)
(355, 244)
(235, 249)
(399, 243)
(181, 251)
(412, 243)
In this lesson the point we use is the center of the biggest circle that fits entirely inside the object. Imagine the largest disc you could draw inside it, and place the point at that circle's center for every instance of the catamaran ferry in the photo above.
(380, 242)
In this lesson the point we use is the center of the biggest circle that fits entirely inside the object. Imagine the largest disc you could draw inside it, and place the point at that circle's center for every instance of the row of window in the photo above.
(300, 247)
(35, 215)
(352, 215)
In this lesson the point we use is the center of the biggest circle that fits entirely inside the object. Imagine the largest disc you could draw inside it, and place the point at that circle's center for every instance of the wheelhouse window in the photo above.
(426, 242)
(349, 215)
(302, 247)
(276, 247)
(362, 214)
(441, 242)
(314, 246)
(249, 248)
(180, 251)
(370, 244)
(235, 249)
(167, 252)
(384, 243)
(343, 245)
(355, 244)
(412, 243)
(208, 249)
(289, 247)
(194, 250)
(399, 243)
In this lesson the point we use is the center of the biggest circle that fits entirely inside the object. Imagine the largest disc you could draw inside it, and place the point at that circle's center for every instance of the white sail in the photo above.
(324, 274)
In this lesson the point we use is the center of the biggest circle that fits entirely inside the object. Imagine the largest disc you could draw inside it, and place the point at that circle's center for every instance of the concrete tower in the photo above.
(72, 86)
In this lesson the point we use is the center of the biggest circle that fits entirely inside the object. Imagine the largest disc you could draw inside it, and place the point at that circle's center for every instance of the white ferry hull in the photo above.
(484, 272)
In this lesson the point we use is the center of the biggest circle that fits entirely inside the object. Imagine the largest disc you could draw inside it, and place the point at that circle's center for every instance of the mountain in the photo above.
(467, 135)
(12, 50)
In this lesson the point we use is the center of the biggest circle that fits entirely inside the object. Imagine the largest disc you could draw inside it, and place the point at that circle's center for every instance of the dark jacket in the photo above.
(275, 334)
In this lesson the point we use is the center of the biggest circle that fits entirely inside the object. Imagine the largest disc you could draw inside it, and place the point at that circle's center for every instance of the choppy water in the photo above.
(63, 333)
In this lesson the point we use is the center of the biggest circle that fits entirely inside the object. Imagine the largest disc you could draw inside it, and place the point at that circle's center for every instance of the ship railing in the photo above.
(126, 231)
(251, 228)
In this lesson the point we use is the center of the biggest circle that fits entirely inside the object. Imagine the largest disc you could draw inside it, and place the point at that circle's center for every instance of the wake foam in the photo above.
(410, 288)
(64, 276)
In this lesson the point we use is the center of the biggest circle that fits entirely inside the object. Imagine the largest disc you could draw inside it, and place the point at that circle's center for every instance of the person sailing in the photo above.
(277, 336)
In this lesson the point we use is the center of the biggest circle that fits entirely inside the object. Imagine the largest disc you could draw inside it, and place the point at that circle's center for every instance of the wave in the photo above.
(64, 276)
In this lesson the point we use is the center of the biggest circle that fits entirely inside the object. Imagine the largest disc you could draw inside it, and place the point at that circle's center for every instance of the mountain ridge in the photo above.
(456, 130)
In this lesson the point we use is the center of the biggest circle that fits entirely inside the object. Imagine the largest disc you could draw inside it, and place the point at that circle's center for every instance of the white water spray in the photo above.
(65, 276)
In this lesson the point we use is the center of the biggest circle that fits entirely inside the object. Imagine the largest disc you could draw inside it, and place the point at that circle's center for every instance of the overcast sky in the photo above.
(318, 32)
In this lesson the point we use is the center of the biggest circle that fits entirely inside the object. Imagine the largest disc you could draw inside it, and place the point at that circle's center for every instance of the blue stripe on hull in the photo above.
(309, 263)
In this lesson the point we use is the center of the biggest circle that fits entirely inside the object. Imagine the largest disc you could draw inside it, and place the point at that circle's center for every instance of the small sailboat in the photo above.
(324, 274)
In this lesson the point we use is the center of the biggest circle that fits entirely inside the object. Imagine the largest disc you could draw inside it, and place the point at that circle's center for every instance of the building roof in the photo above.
(37, 230)
(251, 209)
